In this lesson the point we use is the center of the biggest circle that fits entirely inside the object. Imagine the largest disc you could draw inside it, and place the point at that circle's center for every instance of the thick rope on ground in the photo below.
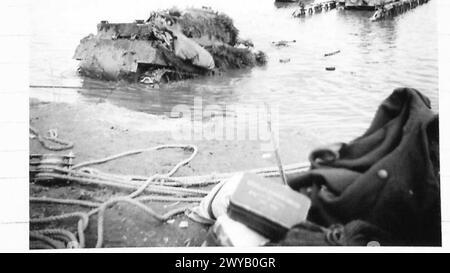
(172, 188)
(164, 190)
(64, 201)
(84, 218)
(134, 152)
(44, 239)
(61, 235)
(81, 215)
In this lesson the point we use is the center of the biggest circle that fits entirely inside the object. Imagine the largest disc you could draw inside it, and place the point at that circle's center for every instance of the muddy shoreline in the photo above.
(96, 134)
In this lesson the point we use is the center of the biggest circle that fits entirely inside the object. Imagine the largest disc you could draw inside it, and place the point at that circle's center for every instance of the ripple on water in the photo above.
(374, 58)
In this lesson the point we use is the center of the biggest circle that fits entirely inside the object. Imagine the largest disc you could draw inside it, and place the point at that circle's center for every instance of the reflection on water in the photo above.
(374, 58)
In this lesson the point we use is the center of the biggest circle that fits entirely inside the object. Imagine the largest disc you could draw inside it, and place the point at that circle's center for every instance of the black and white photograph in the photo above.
(197, 124)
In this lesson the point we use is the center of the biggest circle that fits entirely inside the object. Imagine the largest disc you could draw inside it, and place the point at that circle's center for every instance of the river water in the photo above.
(374, 59)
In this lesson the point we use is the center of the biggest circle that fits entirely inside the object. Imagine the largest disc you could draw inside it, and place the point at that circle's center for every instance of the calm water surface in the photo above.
(374, 58)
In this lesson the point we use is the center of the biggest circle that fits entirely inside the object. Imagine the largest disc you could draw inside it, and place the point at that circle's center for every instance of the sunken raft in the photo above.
(170, 45)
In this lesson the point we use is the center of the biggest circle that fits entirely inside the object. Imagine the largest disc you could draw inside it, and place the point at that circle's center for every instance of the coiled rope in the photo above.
(61, 234)
(171, 188)
(100, 208)
(53, 137)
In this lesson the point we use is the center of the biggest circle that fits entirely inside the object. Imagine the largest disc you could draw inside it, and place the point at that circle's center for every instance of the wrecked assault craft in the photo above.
(170, 45)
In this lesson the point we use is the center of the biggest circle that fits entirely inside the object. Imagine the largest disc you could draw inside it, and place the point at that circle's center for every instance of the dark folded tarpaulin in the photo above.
(384, 185)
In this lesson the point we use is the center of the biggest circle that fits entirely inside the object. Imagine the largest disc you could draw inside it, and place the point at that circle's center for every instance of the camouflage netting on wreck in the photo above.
(204, 25)
(171, 45)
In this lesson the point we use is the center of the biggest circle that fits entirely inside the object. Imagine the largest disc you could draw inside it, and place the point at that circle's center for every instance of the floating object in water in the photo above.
(285, 60)
(330, 68)
(283, 43)
(332, 53)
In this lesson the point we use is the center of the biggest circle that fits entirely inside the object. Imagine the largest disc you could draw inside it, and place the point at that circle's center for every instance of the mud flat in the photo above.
(100, 130)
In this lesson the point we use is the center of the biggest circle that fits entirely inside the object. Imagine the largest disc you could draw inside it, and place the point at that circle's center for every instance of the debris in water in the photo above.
(332, 53)
(283, 43)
